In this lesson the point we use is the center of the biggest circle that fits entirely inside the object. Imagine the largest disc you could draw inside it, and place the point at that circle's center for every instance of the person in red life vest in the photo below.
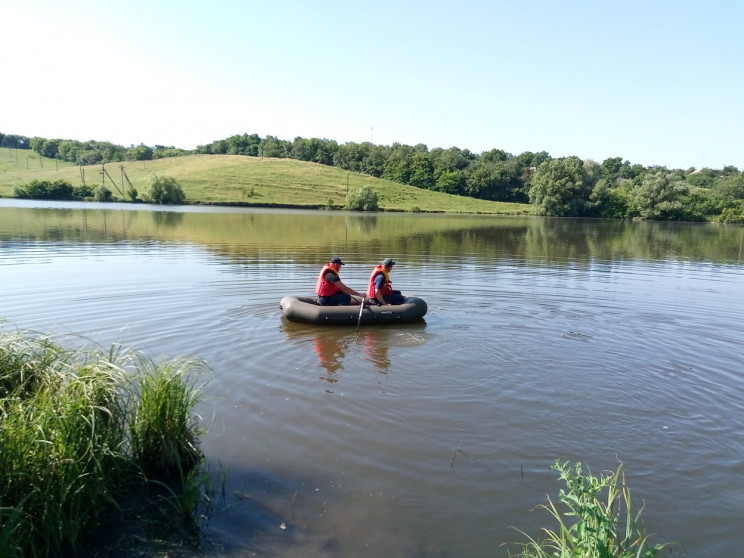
(330, 289)
(380, 286)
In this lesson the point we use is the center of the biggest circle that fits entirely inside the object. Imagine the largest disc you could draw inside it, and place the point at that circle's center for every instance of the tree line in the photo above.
(88, 152)
(567, 186)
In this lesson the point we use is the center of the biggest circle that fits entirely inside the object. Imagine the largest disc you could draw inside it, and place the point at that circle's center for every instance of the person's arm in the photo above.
(348, 290)
(380, 299)
(379, 282)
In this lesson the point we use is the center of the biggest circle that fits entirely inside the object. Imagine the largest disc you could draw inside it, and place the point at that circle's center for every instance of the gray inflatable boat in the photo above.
(306, 309)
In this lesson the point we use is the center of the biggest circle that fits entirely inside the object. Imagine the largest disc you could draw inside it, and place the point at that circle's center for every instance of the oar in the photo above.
(359, 321)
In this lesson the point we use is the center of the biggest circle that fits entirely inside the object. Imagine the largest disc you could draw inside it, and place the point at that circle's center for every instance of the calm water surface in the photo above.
(590, 341)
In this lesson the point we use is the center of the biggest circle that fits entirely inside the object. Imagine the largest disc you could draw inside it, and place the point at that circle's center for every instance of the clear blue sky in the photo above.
(654, 82)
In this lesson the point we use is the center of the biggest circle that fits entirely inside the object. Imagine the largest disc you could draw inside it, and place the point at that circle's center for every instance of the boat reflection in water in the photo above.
(333, 345)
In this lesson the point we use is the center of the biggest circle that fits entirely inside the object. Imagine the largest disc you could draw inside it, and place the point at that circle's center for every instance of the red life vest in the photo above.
(323, 287)
(387, 288)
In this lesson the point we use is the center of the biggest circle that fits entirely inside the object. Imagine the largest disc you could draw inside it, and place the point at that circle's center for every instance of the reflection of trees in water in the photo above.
(559, 241)
(77, 225)
(364, 224)
(167, 219)
(530, 240)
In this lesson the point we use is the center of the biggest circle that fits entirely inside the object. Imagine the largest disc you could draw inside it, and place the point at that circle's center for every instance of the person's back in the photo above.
(330, 289)
(381, 287)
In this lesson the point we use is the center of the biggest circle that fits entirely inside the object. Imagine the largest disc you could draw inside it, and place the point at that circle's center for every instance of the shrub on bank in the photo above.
(165, 190)
(82, 191)
(45, 190)
(102, 194)
(78, 432)
(363, 199)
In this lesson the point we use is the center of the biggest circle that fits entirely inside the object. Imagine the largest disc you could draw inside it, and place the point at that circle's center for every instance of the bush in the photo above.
(101, 193)
(561, 188)
(659, 196)
(45, 190)
(82, 191)
(165, 190)
(730, 215)
(363, 199)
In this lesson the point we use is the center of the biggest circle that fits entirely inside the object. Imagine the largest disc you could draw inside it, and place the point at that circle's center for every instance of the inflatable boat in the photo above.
(307, 310)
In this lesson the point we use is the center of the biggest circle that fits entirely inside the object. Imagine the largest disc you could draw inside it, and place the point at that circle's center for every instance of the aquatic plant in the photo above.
(163, 431)
(78, 438)
(596, 520)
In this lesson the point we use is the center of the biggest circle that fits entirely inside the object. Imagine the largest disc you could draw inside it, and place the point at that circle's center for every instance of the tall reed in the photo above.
(71, 436)
(163, 431)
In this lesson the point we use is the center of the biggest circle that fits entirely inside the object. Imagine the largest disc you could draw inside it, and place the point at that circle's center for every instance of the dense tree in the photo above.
(37, 143)
(162, 152)
(479, 181)
(529, 159)
(449, 160)
(729, 170)
(614, 169)
(374, 164)
(362, 199)
(50, 148)
(517, 188)
(102, 194)
(69, 151)
(352, 156)
(422, 172)
(304, 149)
(701, 178)
(610, 201)
(165, 190)
(272, 146)
(241, 144)
(81, 153)
(139, 153)
(45, 190)
(314, 150)
(450, 182)
(12, 141)
(398, 164)
(732, 187)
(561, 188)
(659, 196)
(495, 156)
(493, 181)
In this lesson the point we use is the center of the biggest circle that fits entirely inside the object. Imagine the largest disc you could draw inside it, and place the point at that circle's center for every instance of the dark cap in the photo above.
(387, 262)
(337, 260)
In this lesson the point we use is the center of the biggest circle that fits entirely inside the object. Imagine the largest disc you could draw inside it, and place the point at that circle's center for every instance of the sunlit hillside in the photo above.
(235, 179)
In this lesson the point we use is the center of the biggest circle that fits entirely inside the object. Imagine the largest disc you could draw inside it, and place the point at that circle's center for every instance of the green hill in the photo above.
(240, 180)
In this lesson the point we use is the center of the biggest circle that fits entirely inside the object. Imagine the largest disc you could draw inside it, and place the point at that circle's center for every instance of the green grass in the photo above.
(235, 179)
(83, 432)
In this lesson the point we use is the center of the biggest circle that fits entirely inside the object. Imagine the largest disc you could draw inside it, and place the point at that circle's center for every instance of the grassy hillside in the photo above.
(235, 179)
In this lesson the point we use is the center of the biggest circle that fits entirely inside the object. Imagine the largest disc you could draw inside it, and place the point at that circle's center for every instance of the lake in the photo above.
(546, 339)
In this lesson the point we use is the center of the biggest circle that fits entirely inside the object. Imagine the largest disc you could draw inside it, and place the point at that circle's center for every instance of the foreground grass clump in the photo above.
(597, 521)
(84, 433)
